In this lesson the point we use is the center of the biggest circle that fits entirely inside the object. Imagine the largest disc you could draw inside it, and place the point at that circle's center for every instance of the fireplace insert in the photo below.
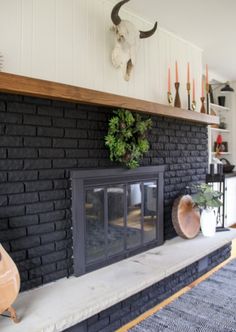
(116, 213)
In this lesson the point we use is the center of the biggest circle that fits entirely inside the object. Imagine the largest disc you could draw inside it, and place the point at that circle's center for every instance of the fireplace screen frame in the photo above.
(83, 179)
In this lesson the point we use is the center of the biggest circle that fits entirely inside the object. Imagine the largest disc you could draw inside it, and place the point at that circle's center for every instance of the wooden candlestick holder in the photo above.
(203, 109)
(189, 99)
(177, 102)
(207, 98)
(169, 98)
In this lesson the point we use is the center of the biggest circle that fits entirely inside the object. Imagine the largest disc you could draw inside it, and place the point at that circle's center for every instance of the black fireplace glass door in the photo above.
(116, 213)
(95, 225)
(150, 211)
(134, 215)
(116, 222)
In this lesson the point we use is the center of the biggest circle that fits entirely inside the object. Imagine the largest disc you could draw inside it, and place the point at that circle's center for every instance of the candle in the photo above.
(202, 87)
(207, 74)
(176, 72)
(188, 74)
(193, 90)
(169, 80)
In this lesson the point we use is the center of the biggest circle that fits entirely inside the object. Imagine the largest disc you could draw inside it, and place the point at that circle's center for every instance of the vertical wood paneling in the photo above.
(64, 41)
(44, 40)
(80, 43)
(10, 34)
(112, 81)
(27, 37)
(70, 41)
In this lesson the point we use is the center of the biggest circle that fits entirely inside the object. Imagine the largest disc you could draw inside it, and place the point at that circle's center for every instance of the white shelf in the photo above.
(219, 108)
(220, 130)
(222, 153)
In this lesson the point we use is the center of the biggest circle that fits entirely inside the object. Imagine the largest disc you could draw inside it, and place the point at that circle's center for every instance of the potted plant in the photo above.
(207, 200)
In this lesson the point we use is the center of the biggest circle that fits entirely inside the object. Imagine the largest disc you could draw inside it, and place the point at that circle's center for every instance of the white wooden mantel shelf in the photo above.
(22, 85)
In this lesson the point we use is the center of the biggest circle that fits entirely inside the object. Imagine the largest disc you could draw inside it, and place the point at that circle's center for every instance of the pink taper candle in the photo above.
(193, 90)
(207, 78)
(188, 74)
(169, 79)
(202, 87)
(176, 72)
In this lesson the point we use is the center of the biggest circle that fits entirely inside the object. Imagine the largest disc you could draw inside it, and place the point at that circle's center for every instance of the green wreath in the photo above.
(127, 137)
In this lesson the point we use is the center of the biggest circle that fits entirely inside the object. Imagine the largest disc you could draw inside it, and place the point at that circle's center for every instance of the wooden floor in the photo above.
(176, 295)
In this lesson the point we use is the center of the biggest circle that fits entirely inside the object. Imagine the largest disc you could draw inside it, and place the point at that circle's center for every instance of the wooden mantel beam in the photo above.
(22, 85)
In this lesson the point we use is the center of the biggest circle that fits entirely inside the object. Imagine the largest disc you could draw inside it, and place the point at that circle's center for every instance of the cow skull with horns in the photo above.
(126, 41)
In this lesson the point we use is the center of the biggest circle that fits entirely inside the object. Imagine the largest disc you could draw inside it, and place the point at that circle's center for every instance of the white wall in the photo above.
(233, 111)
(69, 41)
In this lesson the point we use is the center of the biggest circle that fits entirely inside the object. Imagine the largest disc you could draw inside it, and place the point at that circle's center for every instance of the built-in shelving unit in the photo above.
(220, 130)
(223, 113)
(22, 85)
(219, 108)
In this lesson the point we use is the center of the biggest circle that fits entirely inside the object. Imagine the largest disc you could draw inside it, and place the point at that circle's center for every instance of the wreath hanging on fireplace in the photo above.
(127, 137)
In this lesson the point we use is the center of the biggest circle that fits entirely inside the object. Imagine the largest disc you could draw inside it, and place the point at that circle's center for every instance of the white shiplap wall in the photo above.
(70, 41)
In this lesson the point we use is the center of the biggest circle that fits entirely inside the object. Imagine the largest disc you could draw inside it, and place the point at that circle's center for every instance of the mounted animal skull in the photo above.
(126, 41)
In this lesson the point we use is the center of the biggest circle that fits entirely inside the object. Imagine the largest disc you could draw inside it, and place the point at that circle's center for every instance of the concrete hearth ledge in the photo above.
(62, 304)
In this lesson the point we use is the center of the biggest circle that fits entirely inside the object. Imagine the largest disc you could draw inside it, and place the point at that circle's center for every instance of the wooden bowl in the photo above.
(185, 218)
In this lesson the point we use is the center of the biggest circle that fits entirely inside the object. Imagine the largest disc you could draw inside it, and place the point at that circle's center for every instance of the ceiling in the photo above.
(209, 24)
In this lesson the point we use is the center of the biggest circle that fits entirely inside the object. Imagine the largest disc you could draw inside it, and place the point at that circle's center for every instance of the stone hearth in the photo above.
(119, 292)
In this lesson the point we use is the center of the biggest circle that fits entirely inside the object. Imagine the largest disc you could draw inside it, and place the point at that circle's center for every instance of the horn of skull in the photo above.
(127, 38)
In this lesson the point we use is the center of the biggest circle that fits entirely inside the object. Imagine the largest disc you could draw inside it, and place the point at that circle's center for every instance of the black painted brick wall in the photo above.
(40, 141)
(123, 312)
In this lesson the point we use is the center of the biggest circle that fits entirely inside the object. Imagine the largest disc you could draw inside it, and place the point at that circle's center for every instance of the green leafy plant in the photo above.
(127, 137)
(206, 197)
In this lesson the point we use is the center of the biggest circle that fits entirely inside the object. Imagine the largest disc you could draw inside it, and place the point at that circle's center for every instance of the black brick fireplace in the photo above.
(41, 142)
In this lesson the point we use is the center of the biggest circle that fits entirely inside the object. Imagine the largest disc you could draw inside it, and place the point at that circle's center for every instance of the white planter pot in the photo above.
(208, 222)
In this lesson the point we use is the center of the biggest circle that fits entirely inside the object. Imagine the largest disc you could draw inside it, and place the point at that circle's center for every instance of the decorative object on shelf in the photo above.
(170, 98)
(193, 105)
(211, 94)
(207, 91)
(177, 97)
(169, 94)
(220, 147)
(221, 101)
(177, 102)
(217, 145)
(227, 88)
(207, 200)
(188, 90)
(9, 284)
(185, 218)
(227, 167)
(127, 138)
(188, 87)
(223, 124)
(126, 41)
(203, 110)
